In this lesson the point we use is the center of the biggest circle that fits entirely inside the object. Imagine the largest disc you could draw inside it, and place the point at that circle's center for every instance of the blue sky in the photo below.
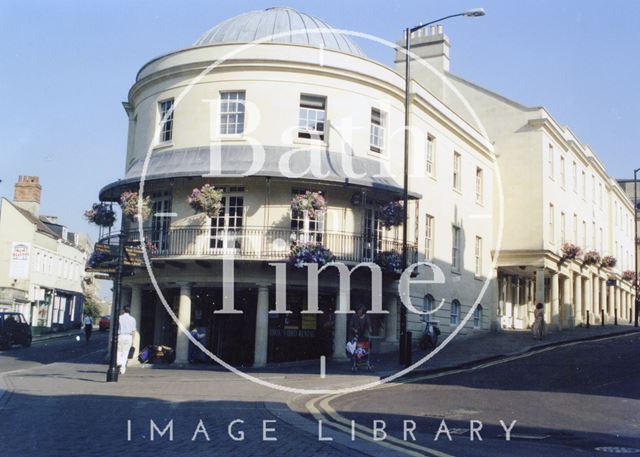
(66, 66)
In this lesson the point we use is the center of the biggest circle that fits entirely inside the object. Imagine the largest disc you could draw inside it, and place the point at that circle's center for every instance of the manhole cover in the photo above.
(618, 450)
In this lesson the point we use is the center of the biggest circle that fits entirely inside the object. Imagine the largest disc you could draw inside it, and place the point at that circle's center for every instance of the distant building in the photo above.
(627, 185)
(41, 262)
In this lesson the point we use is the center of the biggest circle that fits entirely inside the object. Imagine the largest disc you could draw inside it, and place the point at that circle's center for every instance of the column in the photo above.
(184, 317)
(340, 328)
(157, 322)
(578, 300)
(612, 303)
(136, 313)
(262, 327)
(597, 296)
(555, 301)
(391, 320)
(516, 302)
(501, 296)
(540, 286)
(603, 298)
(618, 302)
(567, 314)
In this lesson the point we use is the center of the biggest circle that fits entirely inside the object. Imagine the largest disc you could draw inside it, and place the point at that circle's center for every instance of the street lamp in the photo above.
(476, 12)
(635, 224)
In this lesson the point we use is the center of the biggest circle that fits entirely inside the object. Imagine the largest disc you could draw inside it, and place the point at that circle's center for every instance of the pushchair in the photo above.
(360, 352)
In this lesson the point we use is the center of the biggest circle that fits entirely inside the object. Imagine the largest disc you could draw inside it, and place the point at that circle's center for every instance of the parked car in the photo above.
(14, 329)
(105, 323)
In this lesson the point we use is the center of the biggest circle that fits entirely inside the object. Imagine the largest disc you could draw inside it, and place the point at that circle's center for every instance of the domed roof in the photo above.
(286, 24)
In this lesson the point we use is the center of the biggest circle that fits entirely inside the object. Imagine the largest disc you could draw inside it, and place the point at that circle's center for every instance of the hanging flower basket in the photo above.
(591, 258)
(389, 261)
(311, 202)
(206, 199)
(101, 214)
(391, 214)
(608, 261)
(302, 253)
(570, 251)
(628, 275)
(151, 247)
(129, 205)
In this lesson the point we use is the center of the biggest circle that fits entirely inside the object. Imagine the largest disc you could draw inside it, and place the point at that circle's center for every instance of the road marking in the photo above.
(323, 367)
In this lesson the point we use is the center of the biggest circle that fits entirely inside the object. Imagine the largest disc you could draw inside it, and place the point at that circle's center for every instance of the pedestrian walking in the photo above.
(126, 332)
(538, 322)
(88, 327)
(359, 325)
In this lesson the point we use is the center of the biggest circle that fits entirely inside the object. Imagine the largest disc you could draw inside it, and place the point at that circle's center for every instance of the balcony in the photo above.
(262, 243)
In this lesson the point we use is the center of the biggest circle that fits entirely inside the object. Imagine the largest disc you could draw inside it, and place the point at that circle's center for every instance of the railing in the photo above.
(260, 243)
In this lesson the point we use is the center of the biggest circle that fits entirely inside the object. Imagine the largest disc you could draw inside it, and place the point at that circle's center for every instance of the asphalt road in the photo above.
(58, 349)
(566, 401)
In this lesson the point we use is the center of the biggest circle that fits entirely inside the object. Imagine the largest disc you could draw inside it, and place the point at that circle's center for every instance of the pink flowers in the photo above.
(570, 251)
(591, 258)
(206, 199)
(608, 261)
(311, 202)
(129, 205)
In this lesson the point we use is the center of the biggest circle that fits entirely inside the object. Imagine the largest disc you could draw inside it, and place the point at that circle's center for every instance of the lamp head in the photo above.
(475, 12)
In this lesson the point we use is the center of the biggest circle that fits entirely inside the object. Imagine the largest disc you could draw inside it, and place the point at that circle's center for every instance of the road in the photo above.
(566, 401)
(58, 349)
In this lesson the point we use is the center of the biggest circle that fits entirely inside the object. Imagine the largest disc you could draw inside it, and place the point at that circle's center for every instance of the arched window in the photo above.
(455, 312)
(477, 317)
(427, 305)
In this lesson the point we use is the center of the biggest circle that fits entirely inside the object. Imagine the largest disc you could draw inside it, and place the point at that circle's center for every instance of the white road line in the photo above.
(323, 367)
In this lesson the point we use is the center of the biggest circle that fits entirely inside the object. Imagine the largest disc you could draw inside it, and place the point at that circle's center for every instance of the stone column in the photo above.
(501, 296)
(184, 317)
(596, 300)
(516, 302)
(603, 298)
(391, 320)
(588, 300)
(262, 327)
(578, 300)
(555, 301)
(540, 298)
(618, 302)
(612, 303)
(340, 329)
(567, 312)
(136, 313)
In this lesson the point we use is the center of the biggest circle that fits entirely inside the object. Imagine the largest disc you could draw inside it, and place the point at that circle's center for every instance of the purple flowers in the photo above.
(101, 214)
(608, 261)
(391, 214)
(591, 258)
(570, 251)
(389, 261)
(302, 253)
(311, 202)
(206, 199)
(129, 205)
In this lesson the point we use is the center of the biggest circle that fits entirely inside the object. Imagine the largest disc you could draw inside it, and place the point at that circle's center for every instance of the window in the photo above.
(455, 252)
(593, 189)
(600, 193)
(601, 241)
(312, 117)
(429, 228)
(563, 228)
(377, 130)
(479, 185)
(372, 233)
(232, 112)
(584, 185)
(226, 228)
(552, 223)
(427, 306)
(165, 110)
(455, 312)
(584, 234)
(575, 177)
(477, 317)
(431, 156)
(563, 172)
(575, 228)
(550, 160)
(478, 256)
(456, 170)
(160, 219)
(593, 235)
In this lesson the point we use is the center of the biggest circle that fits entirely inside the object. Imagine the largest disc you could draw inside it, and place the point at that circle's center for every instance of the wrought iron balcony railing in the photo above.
(262, 243)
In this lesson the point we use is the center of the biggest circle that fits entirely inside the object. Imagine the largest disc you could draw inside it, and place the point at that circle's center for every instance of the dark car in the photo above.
(105, 323)
(14, 329)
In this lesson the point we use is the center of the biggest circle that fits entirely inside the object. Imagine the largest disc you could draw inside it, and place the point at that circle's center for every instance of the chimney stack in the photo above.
(429, 44)
(27, 194)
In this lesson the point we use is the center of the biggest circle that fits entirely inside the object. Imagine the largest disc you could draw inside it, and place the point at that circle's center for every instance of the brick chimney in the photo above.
(27, 194)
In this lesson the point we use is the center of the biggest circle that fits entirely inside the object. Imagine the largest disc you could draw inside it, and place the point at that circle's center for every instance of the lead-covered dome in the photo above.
(280, 25)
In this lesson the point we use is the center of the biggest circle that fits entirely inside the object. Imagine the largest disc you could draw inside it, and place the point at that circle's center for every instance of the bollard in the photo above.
(588, 323)
(407, 345)
(602, 317)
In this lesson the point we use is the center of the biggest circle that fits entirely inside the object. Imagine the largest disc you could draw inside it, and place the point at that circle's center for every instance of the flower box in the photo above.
(591, 258)
(570, 251)
(302, 253)
(608, 261)
(389, 261)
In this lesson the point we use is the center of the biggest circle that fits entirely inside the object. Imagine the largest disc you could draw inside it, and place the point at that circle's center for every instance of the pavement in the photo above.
(55, 393)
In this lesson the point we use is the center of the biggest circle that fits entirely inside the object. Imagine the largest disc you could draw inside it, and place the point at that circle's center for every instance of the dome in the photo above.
(288, 25)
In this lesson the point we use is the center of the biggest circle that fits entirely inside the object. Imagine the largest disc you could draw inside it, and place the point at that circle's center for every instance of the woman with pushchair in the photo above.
(359, 344)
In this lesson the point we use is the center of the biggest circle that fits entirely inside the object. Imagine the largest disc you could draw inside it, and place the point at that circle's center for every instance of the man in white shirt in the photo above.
(126, 332)
(88, 327)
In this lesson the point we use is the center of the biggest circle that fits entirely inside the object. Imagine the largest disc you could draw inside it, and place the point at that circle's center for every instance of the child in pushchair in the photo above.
(360, 352)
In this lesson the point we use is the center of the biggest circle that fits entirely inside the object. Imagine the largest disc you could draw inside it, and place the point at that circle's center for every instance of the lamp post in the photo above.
(635, 225)
(476, 12)
(112, 372)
